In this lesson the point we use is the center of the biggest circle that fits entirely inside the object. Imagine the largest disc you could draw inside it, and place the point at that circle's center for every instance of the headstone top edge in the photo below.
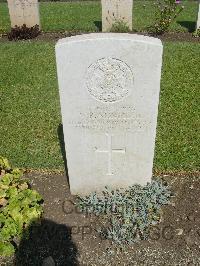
(100, 36)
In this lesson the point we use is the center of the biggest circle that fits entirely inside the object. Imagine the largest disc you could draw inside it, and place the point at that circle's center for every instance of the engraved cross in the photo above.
(109, 152)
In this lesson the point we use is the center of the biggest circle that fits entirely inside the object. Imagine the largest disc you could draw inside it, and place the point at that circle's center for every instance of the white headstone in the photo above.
(109, 91)
(24, 12)
(198, 19)
(116, 10)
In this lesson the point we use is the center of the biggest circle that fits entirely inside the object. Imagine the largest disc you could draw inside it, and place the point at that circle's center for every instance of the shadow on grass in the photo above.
(62, 148)
(98, 24)
(44, 240)
(189, 25)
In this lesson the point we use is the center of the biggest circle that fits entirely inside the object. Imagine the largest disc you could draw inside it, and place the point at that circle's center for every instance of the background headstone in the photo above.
(116, 10)
(24, 12)
(109, 91)
(198, 19)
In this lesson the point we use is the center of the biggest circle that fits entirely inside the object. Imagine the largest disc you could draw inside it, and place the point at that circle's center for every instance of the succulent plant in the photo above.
(128, 213)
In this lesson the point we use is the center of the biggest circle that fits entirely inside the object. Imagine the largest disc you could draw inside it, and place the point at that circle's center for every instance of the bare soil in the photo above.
(70, 237)
(55, 36)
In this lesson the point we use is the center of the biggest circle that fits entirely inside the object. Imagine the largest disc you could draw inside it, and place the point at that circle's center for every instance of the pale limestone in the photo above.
(116, 10)
(24, 12)
(109, 91)
(198, 19)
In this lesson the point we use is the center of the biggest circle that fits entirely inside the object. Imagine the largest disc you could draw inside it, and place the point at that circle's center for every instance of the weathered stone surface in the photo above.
(109, 91)
(116, 10)
(198, 19)
(24, 12)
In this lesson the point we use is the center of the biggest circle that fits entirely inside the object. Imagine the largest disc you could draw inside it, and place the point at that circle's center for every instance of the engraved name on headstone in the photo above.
(116, 10)
(109, 91)
(24, 12)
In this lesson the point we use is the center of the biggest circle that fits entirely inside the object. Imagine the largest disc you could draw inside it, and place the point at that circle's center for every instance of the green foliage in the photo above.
(4, 164)
(2, 30)
(6, 248)
(166, 13)
(128, 214)
(119, 26)
(196, 34)
(20, 206)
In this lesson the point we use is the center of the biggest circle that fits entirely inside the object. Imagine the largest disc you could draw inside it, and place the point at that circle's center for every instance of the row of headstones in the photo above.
(27, 12)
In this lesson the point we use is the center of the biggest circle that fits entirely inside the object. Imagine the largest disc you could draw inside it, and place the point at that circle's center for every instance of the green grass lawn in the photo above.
(30, 110)
(84, 15)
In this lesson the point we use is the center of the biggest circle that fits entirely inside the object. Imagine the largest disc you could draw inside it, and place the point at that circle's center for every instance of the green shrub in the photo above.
(119, 26)
(20, 206)
(166, 12)
(2, 30)
(127, 214)
(196, 33)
